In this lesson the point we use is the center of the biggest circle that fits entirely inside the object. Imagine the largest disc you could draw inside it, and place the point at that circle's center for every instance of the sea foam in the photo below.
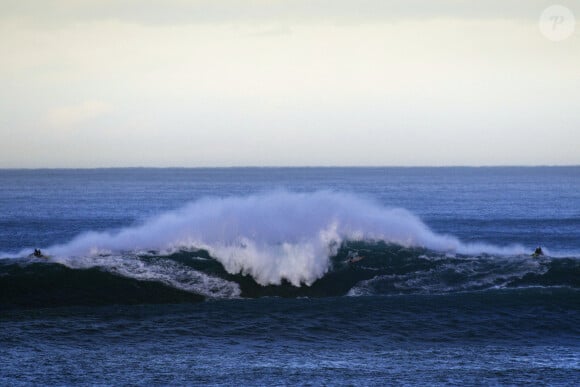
(272, 236)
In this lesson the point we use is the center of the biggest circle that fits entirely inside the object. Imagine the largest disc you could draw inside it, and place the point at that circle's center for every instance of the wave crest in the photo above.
(273, 236)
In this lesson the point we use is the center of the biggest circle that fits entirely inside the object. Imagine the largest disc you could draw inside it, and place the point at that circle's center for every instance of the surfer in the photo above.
(353, 257)
(38, 254)
(538, 252)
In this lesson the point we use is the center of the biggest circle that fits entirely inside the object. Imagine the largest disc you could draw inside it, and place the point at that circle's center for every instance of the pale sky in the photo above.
(106, 83)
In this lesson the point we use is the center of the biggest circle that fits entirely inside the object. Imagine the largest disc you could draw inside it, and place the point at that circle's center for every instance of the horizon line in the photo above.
(295, 167)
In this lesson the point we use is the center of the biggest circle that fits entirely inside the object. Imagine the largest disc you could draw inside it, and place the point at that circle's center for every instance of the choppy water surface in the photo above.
(297, 276)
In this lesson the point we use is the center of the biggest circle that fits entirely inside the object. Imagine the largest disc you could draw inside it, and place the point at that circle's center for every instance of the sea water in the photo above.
(246, 276)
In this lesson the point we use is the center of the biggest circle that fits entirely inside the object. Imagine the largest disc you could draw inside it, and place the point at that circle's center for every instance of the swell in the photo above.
(42, 285)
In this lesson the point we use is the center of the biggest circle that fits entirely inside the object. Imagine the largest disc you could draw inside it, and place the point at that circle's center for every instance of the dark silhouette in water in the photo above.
(353, 257)
(538, 252)
(37, 253)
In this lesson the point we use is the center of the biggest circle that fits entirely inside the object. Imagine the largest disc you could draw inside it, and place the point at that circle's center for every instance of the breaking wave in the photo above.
(272, 244)
(272, 237)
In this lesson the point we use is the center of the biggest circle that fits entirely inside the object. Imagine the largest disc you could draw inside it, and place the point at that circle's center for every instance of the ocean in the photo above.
(290, 276)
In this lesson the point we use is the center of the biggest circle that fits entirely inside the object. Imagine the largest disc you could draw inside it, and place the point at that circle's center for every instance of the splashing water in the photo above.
(273, 236)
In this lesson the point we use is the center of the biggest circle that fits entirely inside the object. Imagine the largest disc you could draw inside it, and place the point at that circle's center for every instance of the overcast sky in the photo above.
(286, 83)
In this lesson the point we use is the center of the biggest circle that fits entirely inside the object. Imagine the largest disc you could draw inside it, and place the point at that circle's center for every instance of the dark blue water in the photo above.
(246, 276)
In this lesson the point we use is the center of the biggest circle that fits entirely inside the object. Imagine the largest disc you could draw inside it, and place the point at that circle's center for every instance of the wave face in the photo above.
(189, 276)
(278, 244)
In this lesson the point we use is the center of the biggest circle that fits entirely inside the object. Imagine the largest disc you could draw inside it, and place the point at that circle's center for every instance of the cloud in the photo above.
(171, 12)
(73, 116)
(196, 83)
